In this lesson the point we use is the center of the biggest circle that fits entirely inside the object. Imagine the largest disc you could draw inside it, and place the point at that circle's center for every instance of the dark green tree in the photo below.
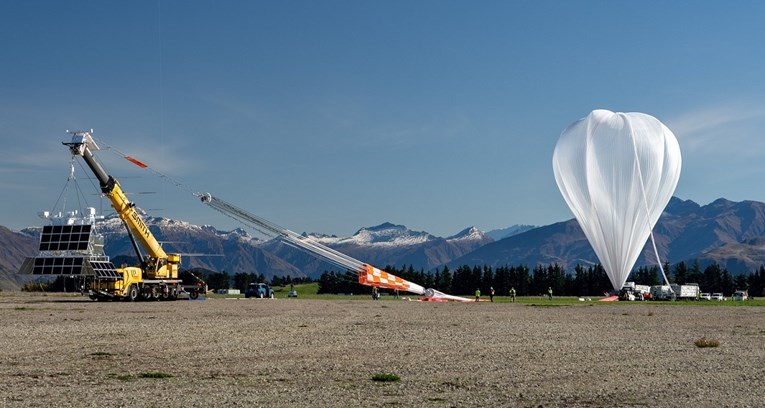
(241, 280)
(680, 273)
(487, 279)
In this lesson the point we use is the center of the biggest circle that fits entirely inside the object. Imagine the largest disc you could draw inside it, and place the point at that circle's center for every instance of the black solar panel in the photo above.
(58, 266)
(104, 269)
(65, 237)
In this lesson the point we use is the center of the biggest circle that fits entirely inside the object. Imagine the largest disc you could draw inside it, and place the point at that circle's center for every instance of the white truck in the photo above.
(689, 291)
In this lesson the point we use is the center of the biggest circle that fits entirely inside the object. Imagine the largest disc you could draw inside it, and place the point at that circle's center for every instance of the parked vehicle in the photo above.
(740, 295)
(258, 290)
(661, 292)
(689, 291)
(705, 296)
(718, 296)
(292, 293)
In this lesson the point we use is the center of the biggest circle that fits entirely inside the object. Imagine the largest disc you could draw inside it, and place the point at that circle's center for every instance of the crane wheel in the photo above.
(133, 293)
(193, 295)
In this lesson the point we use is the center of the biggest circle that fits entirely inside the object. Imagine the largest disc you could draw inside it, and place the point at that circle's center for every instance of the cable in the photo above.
(647, 211)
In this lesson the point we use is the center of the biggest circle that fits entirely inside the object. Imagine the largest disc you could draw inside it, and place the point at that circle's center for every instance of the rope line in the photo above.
(648, 213)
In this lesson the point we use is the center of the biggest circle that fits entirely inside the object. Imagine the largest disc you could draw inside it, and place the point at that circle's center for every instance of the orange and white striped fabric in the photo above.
(372, 276)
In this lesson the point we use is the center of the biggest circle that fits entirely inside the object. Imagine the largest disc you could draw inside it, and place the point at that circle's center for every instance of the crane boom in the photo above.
(159, 264)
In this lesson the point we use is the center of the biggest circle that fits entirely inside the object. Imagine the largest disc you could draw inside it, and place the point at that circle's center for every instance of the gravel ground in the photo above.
(71, 352)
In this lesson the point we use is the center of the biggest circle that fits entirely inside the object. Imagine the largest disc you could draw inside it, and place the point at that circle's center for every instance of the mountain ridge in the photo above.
(723, 231)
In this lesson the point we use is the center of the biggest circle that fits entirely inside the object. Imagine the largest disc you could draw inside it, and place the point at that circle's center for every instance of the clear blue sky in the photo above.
(327, 116)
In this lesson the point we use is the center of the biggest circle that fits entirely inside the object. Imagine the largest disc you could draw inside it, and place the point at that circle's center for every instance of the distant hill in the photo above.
(503, 233)
(14, 248)
(726, 232)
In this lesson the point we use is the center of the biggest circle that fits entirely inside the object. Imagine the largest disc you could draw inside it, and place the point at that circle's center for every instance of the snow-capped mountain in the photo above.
(387, 244)
(386, 234)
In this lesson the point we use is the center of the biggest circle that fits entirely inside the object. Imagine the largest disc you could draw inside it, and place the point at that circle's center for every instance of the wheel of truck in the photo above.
(173, 294)
(132, 294)
(193, 294)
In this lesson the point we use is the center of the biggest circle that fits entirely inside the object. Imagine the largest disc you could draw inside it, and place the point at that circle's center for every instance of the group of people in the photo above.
(491, 294)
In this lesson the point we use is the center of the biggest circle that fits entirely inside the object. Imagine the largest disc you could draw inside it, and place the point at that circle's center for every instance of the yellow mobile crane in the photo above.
(157, 275)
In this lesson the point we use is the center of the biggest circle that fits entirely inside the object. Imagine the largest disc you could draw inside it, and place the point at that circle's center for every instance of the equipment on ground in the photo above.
(155, 278)
(631, 291)
(368, 274)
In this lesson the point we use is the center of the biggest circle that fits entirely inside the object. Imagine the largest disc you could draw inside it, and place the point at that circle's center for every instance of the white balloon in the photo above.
(617, 172)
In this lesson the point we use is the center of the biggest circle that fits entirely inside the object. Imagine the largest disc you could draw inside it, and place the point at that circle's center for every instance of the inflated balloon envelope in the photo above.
(617, 172)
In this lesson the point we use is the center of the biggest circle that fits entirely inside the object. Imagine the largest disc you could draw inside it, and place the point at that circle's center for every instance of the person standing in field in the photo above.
(549, 292)
(512, 295)
(477, 294)
(491, 293)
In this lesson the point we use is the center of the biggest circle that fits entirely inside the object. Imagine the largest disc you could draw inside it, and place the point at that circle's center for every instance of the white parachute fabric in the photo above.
(617, 173)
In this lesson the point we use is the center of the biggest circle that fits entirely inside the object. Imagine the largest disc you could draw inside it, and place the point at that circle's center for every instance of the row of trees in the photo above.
(465, 280)
(223, 280)
(583, 281)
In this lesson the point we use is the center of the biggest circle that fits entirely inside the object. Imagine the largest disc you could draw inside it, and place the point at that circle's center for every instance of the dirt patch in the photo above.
(68, 351)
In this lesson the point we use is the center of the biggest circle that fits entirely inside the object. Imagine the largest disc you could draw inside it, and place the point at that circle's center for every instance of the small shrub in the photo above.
(155, 374)
(386, 377)
(705, 342)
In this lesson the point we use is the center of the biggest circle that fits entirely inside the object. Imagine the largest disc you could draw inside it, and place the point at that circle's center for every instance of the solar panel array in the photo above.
(104, 269)
(65, 237)
(58, 266)
(74, 265)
